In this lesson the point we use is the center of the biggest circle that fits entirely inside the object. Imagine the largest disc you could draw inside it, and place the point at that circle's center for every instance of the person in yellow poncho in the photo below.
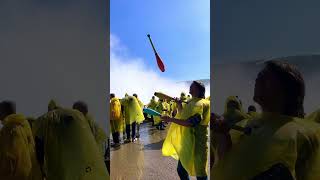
(233, 111)
(116, 120)
(187, 137)
(281, 145)
(18, 159)
(161, 108)
(167, 111)
(98, 133)
(123, 113)
(152, 105)
(234, 115)
(173, 108)
(52, 105)
(31, 121)
(183, 100)
(67, 148)
(133, 115)
(138, 123)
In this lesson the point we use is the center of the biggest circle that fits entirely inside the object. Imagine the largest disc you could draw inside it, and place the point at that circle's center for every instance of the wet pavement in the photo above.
(143, 159)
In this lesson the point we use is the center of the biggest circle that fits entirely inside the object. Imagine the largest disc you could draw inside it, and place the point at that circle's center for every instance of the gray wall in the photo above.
(239, 79)
(54, 49)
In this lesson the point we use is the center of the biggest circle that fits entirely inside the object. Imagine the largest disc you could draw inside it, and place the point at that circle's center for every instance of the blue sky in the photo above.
(180, 30)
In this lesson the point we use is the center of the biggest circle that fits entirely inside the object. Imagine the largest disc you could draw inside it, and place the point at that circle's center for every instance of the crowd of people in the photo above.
(187, 116)
(63, 143)
(126, 115)
(279, 143)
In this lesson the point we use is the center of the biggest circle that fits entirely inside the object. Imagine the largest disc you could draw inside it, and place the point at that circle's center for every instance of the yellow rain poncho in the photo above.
(253, 114)
(116, 119)
(314, 169)
(98, 133)
(184, 100)
(31, 121)
(235, 116)
(140, 103)
(152, 104)
(189, 144)
(315, 116)
(173, 107)
(141, 106)
(133, 111)
(124, 103)
(53, 105)
(167, 108)
(161, 107)
(275, 139)
(70, 149)
(17, 150)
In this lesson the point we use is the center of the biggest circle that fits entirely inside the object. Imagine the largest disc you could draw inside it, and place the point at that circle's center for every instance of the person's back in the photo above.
(70, 150)
(233, 111)
(159, 108)
(234, 115)
(115, 109)
(152, 104)
(135, 110)
(125, 107)
(97, 131)
(17, 149)
(140, 103)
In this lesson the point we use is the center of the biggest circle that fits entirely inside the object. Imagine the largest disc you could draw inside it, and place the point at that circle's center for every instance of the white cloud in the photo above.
(130, 75)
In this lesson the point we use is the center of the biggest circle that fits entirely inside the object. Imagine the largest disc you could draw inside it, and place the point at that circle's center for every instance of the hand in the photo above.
(166, 118)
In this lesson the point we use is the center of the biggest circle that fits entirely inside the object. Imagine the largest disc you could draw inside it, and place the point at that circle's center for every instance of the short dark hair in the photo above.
(135, 95)
(293, 86)
(201, 88)
(81, 106)
(252, 108)
(112, 95)
(8, 107)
